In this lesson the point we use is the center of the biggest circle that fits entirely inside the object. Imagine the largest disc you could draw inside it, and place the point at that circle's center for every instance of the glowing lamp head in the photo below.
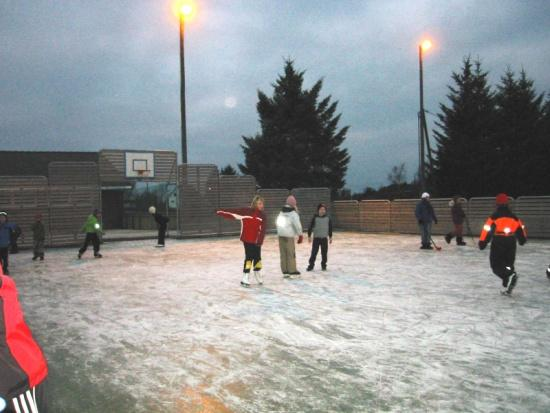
(426, 45)
(186, 10)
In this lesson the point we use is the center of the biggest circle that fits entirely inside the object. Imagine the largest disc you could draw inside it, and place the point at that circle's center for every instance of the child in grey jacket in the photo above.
(321, 227)
(289, 227)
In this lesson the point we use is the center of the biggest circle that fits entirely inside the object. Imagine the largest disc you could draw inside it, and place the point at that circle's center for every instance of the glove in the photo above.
(300, 239)
(482, 244)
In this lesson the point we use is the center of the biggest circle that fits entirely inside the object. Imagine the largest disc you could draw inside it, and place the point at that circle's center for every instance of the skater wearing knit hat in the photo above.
(503, 230)
(288, 228)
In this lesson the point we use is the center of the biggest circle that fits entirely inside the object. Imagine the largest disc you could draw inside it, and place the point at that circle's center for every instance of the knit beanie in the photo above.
(291, 201)
(502, 199)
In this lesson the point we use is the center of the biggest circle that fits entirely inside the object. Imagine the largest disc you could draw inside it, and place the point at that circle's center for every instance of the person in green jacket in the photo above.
(92, 228)
(38, 238)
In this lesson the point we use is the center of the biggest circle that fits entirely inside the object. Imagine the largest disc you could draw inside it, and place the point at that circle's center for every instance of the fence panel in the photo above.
(22, 198)
(375, 216)
(308, 199)
(69, 208)
(535, 214)
(199, 191)
(346, 215)
(403, 219)
(73, 173)
(235, 192)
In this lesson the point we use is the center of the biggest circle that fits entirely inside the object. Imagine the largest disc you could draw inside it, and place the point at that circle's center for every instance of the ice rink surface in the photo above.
(387, 328)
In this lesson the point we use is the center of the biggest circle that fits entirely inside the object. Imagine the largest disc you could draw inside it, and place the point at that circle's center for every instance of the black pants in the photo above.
(94, 239)
(503, 257)
(162, 234)
(4, 252)
(319, 242)
(37, 395)
(253, 257)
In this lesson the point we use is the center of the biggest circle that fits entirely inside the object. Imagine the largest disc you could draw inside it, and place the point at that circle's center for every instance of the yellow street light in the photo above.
(426, 45)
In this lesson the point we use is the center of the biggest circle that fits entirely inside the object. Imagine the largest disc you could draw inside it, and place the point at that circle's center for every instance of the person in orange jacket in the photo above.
(503, 230)
(23, 367)
(254, 223)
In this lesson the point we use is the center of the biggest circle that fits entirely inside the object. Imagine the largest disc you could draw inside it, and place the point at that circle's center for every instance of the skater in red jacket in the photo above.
(23, 367)
(253, 225)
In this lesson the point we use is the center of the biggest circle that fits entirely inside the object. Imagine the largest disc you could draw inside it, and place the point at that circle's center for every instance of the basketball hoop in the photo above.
(142, 173)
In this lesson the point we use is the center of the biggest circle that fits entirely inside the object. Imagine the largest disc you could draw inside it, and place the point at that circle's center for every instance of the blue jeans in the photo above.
(426, 233)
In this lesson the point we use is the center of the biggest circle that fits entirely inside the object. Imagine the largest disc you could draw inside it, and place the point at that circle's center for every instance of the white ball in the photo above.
(2, 404)
(548, 272)
(152, 210)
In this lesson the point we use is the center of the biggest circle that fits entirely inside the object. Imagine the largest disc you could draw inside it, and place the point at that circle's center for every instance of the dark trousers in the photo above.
(253, 257)
(21, 402)
(4, 252)
(162, 234)
(503, 257)
(426, 233)
(319, 242)
(94, 239)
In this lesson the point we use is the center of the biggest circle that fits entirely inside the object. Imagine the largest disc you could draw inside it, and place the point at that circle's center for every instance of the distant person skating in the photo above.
(23, 367)
(38, 238)
(92, 229)
(254, 223)
(6, 230)
(458, 216)
(425, 216)
(503, 230)
(321, 227)
(162, 223)
(288, 228)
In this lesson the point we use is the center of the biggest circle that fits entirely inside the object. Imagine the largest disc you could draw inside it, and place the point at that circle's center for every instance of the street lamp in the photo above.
(184, 11)
(422, 127)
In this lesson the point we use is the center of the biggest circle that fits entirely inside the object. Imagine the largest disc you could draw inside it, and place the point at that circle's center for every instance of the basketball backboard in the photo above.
(140, 165)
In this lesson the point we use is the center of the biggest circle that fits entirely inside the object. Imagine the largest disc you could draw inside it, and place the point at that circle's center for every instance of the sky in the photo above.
(90, 75)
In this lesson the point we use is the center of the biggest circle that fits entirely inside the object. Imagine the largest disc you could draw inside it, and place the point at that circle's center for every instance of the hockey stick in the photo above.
(438, 248)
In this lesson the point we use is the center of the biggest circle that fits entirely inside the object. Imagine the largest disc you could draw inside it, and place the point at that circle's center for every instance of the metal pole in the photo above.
(182, 92)
(421, 115)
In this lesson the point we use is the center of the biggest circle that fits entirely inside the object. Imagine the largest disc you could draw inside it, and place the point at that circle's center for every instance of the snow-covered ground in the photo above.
(387, 328)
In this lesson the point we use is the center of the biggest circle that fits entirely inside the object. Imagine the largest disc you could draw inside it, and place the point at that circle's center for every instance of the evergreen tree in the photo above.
(463, 163)
(299, 144)
(228, 170)
(520, 143)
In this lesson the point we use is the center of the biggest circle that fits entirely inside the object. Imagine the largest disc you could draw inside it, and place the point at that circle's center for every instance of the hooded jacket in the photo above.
(22, 363)
(288, 223)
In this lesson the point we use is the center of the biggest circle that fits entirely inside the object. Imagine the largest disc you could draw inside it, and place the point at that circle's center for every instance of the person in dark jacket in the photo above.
(425, 216)
(23, 367)
(503, 230)
(321, 227)
(458, 216)
(38, 238)
(162, 223)
(15, 234)
(6, 231)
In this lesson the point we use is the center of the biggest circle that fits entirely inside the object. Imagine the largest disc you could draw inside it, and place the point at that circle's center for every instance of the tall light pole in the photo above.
(422, 128)
(184, 11)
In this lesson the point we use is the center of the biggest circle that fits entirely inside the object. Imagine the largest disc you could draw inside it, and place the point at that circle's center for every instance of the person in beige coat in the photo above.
(288, 228)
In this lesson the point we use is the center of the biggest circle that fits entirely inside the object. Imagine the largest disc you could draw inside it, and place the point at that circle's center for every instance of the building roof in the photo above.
(36, 163)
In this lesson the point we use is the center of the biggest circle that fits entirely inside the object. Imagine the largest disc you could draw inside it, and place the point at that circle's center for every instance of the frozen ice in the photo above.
(388, 327)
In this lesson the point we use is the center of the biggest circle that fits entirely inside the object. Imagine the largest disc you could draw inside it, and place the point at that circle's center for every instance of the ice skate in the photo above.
(245, 281)
(159, 246)
(98, 255)
(512, 281)
(259, 278)
(324, 267)
(79, 255)
(309, 268)
(448, 238)
(34, 258)
(295, 274)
